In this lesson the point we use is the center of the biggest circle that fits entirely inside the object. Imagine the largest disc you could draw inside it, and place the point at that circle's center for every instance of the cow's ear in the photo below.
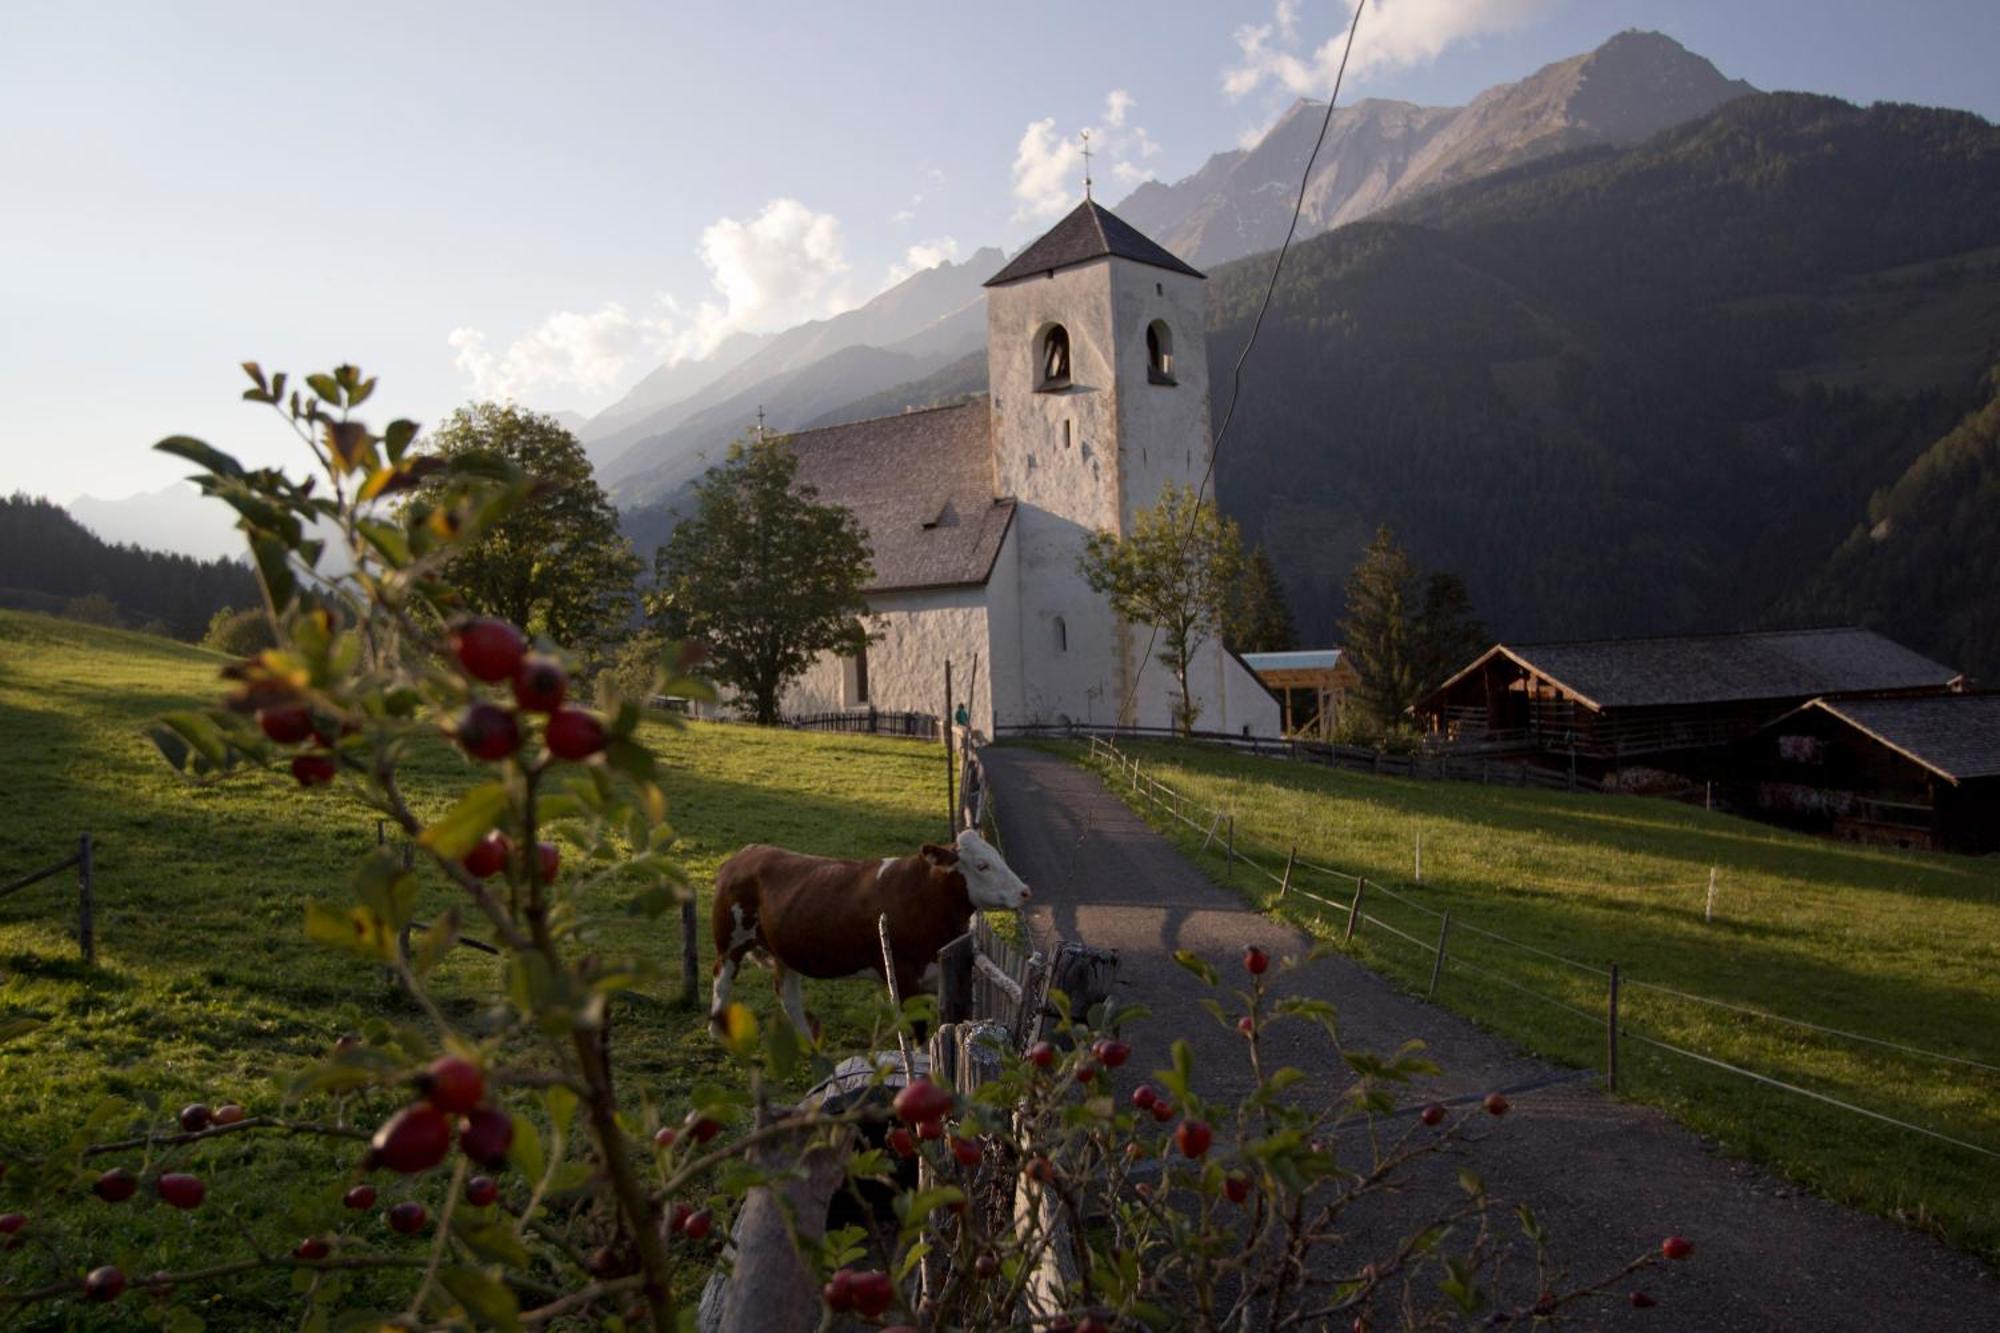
(940, 856)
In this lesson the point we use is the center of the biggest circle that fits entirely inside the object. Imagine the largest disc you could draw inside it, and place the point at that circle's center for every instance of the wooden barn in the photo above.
(1603, 704)
(1312, 686)
(1909, 772)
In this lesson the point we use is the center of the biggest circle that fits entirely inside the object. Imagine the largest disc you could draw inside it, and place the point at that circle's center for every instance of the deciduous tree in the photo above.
(763, 575)
(1175, 572)
(557, 565)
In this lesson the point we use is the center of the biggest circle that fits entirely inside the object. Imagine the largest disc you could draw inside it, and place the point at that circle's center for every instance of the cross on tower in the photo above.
(760, 423)
(1086, 164)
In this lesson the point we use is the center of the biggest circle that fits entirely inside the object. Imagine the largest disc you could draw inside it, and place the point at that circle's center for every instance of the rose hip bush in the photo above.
(495, 1173)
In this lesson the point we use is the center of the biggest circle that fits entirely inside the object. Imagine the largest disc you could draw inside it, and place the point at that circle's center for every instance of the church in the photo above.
(977, 513)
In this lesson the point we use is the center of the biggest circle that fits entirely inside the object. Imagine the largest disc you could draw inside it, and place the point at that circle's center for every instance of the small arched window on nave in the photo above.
(1053, 369)
(1159, 353)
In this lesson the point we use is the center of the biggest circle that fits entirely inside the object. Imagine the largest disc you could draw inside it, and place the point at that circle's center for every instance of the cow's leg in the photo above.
(791, 998)
(735, 937)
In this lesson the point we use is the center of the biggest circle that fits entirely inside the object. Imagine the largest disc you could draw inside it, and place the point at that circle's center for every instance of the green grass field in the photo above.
(1882, 943)
(206, 987)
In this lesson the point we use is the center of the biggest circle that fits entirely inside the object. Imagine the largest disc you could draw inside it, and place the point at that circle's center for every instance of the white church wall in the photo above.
(918, 631)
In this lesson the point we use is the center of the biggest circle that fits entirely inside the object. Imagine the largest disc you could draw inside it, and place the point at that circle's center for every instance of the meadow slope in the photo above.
(1875, 942)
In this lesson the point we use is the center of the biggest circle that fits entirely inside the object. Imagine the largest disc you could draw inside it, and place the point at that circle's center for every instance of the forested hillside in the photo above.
(48, 560)
(1925, 566)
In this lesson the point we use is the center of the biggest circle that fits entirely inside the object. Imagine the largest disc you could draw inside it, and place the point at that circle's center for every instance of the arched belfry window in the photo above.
(1159, 353)
(1062, 635)
(1053, 370)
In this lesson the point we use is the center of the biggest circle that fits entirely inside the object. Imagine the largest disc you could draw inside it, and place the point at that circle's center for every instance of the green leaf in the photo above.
(356, 930)
(525, 1153)
(201, 733)
(326, 387)
(466, 822)
(396, 439)
(172, 748)
(635, 761)
(911, 1258)
(274, 569)
(1198, 965)
(200, 454)
(438, 942)
(560, 1103)
(493, 1239)
(487, 1300)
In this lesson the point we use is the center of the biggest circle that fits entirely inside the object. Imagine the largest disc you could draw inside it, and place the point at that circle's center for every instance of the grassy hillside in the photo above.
(206, 988)
(1886, 944)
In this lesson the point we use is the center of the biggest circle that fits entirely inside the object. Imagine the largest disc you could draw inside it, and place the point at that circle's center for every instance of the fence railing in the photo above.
(871, 722)
(84, 859)
(1215, 823)
(1430, 764)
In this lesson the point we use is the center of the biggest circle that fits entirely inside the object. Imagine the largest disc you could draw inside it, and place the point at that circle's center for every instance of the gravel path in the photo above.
(1609, 1178)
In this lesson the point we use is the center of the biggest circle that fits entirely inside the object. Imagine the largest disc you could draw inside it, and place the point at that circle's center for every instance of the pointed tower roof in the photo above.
(1091, 231)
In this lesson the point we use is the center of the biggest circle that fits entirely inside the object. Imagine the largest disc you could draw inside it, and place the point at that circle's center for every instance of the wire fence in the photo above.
(1219, 827)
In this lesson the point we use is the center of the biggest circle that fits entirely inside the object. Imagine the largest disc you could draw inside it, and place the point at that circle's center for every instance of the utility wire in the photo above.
(1236, 372)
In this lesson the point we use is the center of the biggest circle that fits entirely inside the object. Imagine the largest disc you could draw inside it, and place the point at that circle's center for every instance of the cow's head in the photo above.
(989, 881)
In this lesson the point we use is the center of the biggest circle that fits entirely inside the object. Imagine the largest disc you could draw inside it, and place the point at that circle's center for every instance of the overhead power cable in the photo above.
(1129, 713)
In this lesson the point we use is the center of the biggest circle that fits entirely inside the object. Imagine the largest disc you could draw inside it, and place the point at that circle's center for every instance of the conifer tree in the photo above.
(1260, 619)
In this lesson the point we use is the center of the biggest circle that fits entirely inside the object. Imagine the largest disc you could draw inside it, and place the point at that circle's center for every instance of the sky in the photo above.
(546, 201)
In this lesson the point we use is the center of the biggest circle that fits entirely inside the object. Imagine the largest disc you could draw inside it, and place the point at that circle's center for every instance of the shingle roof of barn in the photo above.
(1956, 736)
(921, 483)
(1724, 668)
(1091, 231)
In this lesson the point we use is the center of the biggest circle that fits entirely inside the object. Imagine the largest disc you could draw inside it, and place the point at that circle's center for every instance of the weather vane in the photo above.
(1086, 164)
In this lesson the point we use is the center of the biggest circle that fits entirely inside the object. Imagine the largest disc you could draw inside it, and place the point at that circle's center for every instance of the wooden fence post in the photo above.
(950, 761)
(1213, 825)
(1437, 966)
(1708, 912)
(690, 954)
(1232, 848)
(1354, 909)
(955, 981)
(1285, 884)
(1611, 1034)
(86, 905)
(1420, 856)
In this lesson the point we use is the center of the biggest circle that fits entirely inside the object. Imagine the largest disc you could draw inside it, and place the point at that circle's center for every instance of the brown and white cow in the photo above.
(815, 916)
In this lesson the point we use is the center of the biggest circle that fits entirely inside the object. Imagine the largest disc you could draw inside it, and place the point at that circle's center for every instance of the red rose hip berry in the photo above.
(313, 770)
(229, 1113)
(488, 649)
(1192, 1137)
(485, 1135)
(1111, 1052)
(488, 856)
(1255, 961)
(1041, 1055)
(11, 1223)
(414, 1139)
(540, 683)
(488, 731)
(1143, 1097)
(408, 1218)
(116, 1185)
(1496, 1104)
(104, 1284)
(287, 726)
(548, 861)
(196, 1118)
(181, 1190)
(838, 1293)
(697, 1225)
(481, 1191)
(311, 1249)
(573, 734)
(902, 1142)
(922, 1100)
(1676, 1247)
(452, 1085)
(1432, 1115)
(871, 1292)
(360, 1198)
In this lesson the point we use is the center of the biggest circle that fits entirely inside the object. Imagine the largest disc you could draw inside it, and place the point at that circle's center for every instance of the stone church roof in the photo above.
(1091, 231)
(921, 483)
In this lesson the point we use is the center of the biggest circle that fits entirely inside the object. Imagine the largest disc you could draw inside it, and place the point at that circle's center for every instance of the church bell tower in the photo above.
(1099, 393)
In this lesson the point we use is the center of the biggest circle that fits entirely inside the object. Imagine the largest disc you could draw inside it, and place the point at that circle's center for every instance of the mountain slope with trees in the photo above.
(48, 561)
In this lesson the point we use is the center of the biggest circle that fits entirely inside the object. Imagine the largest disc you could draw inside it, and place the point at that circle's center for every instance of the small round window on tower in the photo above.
(1053, 370)
(1159, 353)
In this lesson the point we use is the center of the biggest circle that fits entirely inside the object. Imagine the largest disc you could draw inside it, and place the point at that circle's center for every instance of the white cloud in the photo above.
(782, 267)
(586, 353)
(924, 255)
(1048, 169)
(1395, 34)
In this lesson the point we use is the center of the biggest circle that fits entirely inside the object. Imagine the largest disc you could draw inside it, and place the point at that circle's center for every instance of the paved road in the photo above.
(1610, 1178)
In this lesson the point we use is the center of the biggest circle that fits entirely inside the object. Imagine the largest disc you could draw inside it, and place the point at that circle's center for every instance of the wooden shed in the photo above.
(1311, 685)
(1908, 772)
(1602, 703)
